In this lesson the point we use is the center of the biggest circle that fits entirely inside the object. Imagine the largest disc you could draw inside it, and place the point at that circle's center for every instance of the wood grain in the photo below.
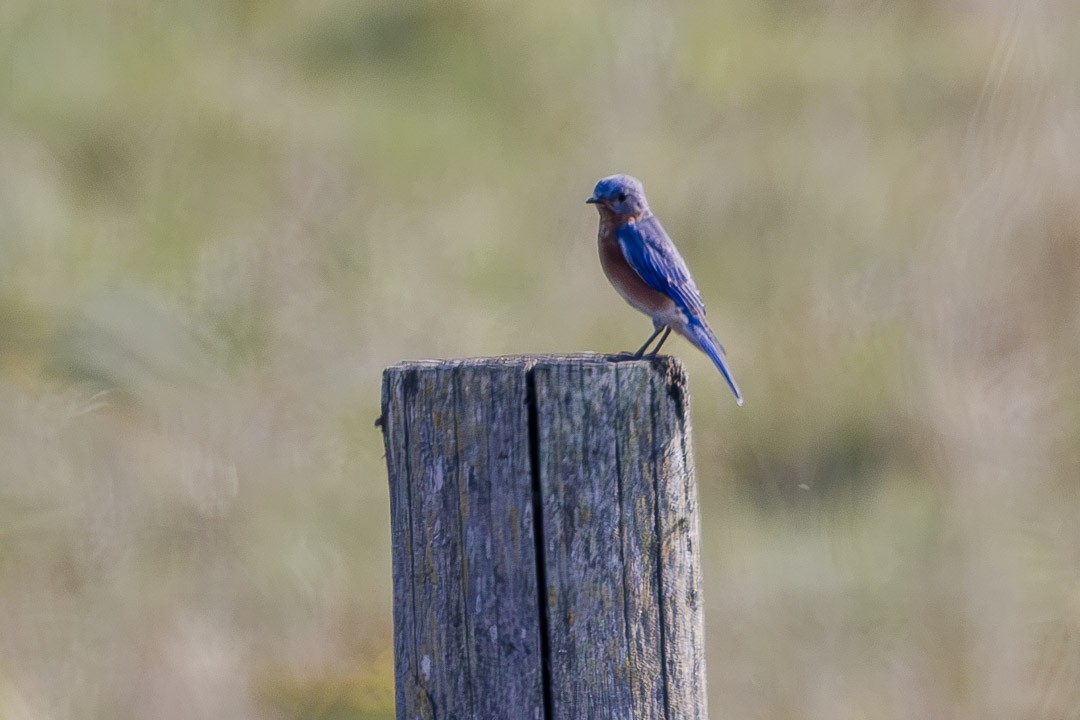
(544, 537)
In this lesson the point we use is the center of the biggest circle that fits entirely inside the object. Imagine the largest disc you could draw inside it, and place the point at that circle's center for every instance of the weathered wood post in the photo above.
(545, 539)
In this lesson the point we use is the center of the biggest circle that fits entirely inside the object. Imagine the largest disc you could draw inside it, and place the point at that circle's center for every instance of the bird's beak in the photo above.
(592, 201)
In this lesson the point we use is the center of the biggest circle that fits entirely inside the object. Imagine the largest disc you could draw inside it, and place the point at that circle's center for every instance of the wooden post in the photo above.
(545, 539)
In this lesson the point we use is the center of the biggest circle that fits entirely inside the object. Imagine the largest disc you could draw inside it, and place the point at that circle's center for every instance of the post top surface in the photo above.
(530, 361)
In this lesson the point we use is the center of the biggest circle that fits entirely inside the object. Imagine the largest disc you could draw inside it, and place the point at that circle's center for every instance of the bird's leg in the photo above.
(641, 351)
(663, 339)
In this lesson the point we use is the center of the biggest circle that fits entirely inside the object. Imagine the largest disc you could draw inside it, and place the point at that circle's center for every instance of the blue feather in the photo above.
(653, 256)
(703, 337)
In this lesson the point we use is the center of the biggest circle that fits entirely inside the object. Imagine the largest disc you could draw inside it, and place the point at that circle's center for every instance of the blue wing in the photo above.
(653, 256)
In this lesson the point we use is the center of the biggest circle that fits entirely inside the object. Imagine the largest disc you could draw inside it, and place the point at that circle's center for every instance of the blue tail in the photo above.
(702, 336)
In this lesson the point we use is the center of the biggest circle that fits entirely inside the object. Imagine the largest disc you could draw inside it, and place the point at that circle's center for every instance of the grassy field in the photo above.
(220, 221)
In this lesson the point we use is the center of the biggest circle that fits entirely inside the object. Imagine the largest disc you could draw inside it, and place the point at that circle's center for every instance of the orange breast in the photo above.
(628, 283)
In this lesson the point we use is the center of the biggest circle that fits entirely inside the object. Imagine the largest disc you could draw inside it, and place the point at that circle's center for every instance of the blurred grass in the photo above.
(219, 222)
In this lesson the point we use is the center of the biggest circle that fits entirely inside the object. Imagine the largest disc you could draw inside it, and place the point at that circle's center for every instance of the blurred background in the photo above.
(220, 221)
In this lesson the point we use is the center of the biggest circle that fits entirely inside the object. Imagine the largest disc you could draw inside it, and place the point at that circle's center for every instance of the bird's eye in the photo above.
(622, 197)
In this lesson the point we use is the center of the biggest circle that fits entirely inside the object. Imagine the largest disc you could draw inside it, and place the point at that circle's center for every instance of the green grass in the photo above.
(219, 222)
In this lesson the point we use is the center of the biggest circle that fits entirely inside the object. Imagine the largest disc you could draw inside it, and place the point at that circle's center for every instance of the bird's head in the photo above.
(620, 196)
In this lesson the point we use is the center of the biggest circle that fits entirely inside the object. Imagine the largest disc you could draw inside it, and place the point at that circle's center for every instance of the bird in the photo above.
(641, 262)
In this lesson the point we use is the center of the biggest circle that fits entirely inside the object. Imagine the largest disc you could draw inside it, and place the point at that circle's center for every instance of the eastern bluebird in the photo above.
(642, 263)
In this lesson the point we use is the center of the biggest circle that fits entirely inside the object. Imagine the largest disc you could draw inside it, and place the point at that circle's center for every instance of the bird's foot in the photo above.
(627, 355)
